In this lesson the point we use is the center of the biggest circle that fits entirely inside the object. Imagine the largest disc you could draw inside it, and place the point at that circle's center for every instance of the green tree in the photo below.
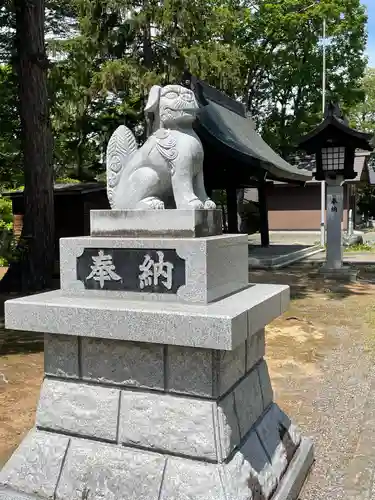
(362, 116)
(59, 21)
(92, 89)
(268, 54)
(11, 173)
(33, 270)
(121, 49)
(282, 73)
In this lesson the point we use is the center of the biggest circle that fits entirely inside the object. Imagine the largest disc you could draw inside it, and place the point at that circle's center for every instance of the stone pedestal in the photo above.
(155, 387)
(345, 273)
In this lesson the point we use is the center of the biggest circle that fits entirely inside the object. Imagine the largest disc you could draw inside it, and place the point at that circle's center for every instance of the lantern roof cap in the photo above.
(335, 128)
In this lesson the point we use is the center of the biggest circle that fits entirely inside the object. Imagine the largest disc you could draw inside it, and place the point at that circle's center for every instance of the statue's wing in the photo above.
(121, 146)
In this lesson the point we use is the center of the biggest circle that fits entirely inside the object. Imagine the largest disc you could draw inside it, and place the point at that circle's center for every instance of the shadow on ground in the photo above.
(275, 250)
(305, 280)
(14, 342)
(17, 342)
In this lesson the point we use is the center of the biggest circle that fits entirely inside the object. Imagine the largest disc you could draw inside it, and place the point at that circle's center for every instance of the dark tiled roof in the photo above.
(335, 125)
(223, 122)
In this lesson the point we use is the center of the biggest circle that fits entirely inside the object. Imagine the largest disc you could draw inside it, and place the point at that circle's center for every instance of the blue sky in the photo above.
(370, 4)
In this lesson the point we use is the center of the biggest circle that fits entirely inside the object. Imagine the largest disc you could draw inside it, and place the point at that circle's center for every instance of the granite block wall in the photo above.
(190, 402)
(182, 370)
(181, 422)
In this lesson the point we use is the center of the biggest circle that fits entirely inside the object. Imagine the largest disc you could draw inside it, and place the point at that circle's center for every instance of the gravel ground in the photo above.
(321, 358)
(338, 406)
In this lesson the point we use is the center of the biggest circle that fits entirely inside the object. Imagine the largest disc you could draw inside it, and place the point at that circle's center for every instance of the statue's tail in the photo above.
(121, 146)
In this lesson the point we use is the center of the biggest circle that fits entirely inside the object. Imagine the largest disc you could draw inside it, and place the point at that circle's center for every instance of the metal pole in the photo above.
(322, 184)
(324, 68)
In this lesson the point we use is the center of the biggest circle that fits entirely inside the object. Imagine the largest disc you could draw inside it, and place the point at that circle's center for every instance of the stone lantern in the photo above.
(334, 144)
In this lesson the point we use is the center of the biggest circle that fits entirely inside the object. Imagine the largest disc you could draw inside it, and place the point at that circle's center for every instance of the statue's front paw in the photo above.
(157, 205)
(196, 204)
(152, 203)
(209, 205)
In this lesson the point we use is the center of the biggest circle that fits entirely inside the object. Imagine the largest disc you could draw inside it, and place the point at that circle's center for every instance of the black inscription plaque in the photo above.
(131, 269)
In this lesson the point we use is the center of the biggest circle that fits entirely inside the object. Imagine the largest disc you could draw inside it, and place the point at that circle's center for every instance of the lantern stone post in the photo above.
(335, 205)
(334, 144)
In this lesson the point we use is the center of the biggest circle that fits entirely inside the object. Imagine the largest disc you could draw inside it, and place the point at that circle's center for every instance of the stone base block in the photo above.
(222, 325)
(193, 427)
(270, 463)
(203, 269)
(174, 369)
(138, 223)
(344, 273)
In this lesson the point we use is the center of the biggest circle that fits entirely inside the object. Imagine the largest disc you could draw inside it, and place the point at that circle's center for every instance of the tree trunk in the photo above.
(224, 216)
(80, 162)
(232, 210)
(33, 269)
(148, 60)
(263, 213)
(240, 209)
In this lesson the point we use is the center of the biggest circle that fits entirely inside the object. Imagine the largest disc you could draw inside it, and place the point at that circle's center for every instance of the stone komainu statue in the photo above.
(169, 163)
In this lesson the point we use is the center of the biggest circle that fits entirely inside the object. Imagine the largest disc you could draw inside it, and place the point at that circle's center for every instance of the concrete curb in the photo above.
(283, 260)
(295, 477)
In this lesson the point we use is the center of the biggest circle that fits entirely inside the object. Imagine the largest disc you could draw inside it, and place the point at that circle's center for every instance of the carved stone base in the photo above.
(146, 398)
(53, 466)
(140, 421)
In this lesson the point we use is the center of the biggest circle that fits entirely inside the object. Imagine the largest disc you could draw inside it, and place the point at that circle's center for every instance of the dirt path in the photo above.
(21, 373)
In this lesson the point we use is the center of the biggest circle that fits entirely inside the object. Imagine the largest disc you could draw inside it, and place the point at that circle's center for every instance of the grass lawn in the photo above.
(319, 355)
(360, 248)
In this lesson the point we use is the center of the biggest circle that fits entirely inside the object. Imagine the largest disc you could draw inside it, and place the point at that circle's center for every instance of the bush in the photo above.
(67, 180)
(6, 214)
(7, 242)
(3, 262)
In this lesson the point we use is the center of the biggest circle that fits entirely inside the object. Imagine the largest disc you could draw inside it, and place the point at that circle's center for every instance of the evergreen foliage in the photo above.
(104, 55)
